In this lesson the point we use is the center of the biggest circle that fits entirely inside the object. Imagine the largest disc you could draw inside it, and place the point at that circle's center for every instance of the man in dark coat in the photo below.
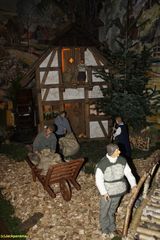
(121, 137)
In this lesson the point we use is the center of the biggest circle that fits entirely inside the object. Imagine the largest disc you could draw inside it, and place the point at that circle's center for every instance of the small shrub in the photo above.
(13, 150)
(89, 167)
(7, 216)
(94, 150)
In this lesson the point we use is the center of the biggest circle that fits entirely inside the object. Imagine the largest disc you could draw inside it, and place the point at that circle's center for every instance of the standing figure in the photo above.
(63, 127)
(81, 71)
(111, 183)
(121, 137)
(45, 140)
(62, 124)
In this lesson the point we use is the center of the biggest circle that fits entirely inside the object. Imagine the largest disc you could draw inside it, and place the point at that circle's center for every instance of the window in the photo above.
(94, 111)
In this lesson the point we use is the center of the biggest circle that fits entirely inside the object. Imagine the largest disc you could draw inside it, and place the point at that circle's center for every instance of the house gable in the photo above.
(56, 93)
(58, 87)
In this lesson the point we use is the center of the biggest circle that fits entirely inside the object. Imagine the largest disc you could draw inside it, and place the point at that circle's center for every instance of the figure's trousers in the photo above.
(107, 214)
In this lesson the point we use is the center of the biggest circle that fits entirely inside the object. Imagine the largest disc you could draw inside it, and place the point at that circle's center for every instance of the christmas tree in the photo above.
(129, 64)
(126, 92)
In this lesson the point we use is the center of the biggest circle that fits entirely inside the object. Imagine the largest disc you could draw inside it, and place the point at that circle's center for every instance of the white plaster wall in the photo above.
(93, 112)
(52, 77)
(71, 93)
(95, 130)
(53, 94)
(54, 62)
(41, 76)
(89, 58)
(96, 79)
(95, 93)
(46, 60)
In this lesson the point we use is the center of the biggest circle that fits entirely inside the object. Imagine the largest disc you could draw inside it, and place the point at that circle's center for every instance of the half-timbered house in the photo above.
(57, 87)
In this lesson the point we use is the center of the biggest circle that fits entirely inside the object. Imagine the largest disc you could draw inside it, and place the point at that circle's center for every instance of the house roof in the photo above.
(28, 76)
(71, 36)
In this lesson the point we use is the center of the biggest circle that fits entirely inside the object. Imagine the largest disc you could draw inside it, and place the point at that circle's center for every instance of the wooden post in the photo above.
(39, 100)
(147, 182)
(133, 198)
(131, 202)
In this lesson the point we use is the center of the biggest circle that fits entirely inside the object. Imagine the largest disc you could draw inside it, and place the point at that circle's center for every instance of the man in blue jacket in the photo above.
(62, 124)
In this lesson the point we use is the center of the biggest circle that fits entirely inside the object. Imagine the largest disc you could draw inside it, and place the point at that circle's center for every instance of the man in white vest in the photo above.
(111, 183)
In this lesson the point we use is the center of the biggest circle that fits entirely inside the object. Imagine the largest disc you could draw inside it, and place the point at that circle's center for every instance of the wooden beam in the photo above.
(150, 219)
(87, 112)
(89, 75)
(46, 94)
(50, 85)
(134, 196)
(131, 202)
(103, 129)
(60, 66)
(43, 69)
(145, 237)
(39, 100)
(148, 232)
(61, 83)
(64, 101)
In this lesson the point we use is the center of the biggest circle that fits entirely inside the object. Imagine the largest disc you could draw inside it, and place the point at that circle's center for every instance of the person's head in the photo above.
(48, 130)
(118, 120)
(113, 150)
(62, 113)
(81, 61)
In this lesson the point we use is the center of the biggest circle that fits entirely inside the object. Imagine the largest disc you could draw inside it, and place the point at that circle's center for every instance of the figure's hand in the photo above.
(36, 152)
(53, 150)
(133, 190)
(106, 197)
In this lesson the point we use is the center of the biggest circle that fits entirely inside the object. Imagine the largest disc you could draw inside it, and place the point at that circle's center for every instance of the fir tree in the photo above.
(125, 94)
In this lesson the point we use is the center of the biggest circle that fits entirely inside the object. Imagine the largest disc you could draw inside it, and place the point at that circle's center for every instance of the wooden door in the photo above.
(76, 116)
(70, 59)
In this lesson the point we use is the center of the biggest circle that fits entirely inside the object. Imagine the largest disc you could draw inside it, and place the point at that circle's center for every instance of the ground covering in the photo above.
(77, 219)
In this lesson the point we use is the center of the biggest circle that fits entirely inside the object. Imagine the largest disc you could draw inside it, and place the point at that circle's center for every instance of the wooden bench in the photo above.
(64, 174)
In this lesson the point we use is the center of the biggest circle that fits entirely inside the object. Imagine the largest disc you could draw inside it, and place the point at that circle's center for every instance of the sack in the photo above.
(69, 145)
(47, 159)
(34, 158)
